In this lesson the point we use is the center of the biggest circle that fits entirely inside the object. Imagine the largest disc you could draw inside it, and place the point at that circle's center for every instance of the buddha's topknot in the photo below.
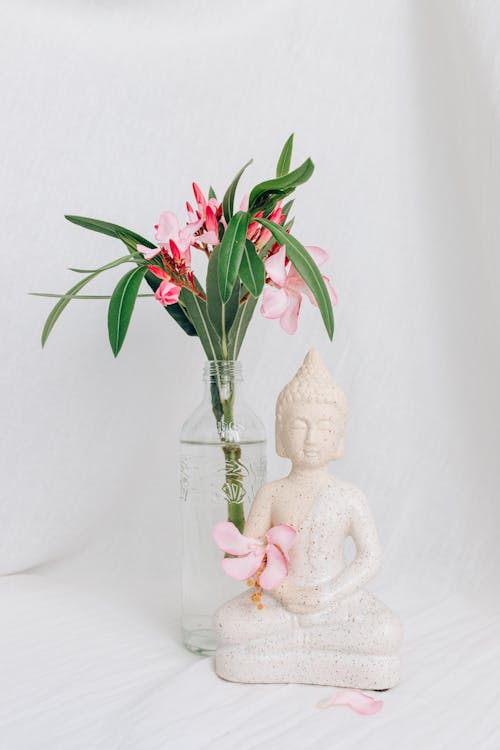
(313, 383)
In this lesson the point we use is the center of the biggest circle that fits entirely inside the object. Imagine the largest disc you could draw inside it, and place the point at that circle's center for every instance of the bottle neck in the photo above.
(223, 379)
(224, 375)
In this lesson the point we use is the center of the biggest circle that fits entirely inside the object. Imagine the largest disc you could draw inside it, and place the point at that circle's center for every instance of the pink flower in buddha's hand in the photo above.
(282, 296)
(267, 560)
(168, 292)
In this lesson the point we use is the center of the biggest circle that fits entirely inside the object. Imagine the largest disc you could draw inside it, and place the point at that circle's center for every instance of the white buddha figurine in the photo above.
(319, 625)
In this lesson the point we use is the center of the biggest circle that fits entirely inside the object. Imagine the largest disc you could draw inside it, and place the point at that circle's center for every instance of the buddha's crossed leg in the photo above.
(358, 624)
(239, 621)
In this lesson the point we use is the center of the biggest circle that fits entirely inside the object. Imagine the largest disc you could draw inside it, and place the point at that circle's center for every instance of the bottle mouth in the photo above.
(223, 371)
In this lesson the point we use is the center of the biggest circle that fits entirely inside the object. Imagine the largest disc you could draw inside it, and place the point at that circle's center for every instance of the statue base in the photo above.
(254, 664)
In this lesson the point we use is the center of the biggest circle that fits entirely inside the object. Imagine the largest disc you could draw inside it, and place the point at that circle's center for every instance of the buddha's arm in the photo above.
(259, 518)
(368, 551)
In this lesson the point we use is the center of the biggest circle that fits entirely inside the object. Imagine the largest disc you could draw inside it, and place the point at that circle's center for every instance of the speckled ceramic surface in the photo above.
(319, 626)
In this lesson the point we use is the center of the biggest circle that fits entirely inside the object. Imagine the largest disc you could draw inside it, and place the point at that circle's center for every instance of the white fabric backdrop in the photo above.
(111, 110)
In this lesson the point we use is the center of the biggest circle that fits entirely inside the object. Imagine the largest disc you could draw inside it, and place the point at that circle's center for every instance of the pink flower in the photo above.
(194, 221)
(211, 234)
(200, 199)
(254, 229)
(168, 229)
(205, 217)
(265, 235)
(355, 699)
(148, 252)
(168, 292)
(282, 297)
(252, 555)
(258, 234)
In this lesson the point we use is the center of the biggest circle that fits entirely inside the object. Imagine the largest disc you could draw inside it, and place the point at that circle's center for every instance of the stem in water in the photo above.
(222, 391)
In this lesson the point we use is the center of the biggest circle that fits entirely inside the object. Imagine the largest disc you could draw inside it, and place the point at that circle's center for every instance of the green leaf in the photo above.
(221, 314)
(252, 271)
(264, 251)
(113, 263)
(283, 166)
(211, 193)
(131, 246)
(232, 248)
(228, 200)
(198, 313)
(307, 269)
(112, 230)
(240, 325)
(121, 306)
(71, 297)
(176, 311)
(280, 187)
(66, 299)
(287, 208)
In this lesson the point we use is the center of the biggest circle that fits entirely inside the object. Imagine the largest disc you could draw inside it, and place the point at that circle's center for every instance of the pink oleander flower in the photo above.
(211, 234)
(282, 296)
(168, 292)
(205, 218)
(258, 234)
(168, 230)
(254, 228)
(267, 561)
(148, 252)
(278, 217)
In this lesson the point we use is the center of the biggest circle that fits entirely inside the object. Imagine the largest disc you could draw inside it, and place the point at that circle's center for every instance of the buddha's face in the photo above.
(310, 435)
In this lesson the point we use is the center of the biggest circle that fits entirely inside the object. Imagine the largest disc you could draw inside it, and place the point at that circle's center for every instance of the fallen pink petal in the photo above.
(360, 702)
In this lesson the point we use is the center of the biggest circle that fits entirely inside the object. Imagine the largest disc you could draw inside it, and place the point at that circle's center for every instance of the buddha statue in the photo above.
(319, 625)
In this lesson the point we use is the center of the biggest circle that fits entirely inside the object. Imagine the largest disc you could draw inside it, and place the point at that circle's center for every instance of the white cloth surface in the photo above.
(79, 673)
(110, 110)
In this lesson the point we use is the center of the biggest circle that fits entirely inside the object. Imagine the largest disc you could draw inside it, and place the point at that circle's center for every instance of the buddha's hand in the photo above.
(299, 599)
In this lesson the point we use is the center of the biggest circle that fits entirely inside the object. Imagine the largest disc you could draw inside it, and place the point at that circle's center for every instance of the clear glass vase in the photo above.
(222, 465)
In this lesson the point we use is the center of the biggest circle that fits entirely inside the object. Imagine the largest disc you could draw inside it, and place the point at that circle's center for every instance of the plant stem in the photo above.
(233, 488)
(234, 477)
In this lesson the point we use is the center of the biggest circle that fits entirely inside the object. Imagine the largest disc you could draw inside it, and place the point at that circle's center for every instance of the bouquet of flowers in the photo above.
(250, 252)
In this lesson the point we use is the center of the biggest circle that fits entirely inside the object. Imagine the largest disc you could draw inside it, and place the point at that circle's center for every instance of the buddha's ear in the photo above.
(279, 445)
(280, 448)
(339, 451)
(280, 451)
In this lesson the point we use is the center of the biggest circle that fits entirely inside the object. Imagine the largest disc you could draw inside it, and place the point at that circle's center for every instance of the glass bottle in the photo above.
(222, 465)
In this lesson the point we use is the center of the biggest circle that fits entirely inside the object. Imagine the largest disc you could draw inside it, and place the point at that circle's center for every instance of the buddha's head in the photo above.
(311, 415)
